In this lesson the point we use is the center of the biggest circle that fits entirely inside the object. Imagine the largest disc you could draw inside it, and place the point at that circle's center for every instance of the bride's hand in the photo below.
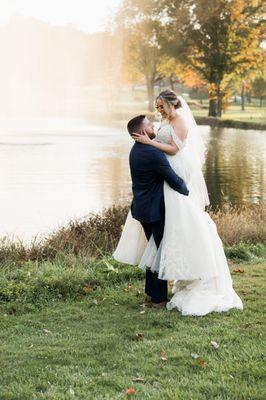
(144, 138)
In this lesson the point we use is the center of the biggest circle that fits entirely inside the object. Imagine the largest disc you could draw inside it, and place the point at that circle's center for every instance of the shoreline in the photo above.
(209, 121)
(230, 123)
(98, 233)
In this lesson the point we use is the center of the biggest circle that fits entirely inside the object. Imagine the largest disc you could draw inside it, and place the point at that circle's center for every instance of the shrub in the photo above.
(97, 236)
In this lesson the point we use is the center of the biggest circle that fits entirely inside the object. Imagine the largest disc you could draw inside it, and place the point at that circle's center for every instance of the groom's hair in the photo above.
(135, 123)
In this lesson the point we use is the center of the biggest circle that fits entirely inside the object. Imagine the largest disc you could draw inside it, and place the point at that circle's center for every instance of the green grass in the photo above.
(68, 276)
(77, 330)
(252, 113)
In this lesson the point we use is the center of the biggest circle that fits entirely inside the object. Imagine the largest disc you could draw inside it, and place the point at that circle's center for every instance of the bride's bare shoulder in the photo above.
(180, 127)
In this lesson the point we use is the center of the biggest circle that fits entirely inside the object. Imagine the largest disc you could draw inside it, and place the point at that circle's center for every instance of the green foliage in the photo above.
(259, 87)
(67, 277)
(72, 277)
(246, 252)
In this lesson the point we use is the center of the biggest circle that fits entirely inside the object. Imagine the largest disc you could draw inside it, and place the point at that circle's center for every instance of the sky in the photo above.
(88, 15)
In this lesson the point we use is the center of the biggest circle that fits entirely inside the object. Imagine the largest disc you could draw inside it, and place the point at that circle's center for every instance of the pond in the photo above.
(55, 171)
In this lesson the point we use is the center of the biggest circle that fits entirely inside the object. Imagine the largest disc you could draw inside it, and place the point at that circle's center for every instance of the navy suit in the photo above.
(149, 169)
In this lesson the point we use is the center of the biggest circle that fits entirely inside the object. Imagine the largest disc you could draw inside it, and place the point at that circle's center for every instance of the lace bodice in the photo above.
(166, 134)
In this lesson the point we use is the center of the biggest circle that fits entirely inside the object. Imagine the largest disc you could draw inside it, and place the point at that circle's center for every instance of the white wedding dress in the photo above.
(191, 252)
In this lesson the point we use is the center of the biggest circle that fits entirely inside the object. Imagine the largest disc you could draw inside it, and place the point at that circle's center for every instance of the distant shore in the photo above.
(230, 123)
(201, 120)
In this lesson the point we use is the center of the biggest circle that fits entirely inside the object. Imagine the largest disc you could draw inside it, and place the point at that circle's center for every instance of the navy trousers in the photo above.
(154, 287)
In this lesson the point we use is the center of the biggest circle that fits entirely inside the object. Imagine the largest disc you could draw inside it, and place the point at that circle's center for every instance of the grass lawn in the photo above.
(252, 113)
(103, 344)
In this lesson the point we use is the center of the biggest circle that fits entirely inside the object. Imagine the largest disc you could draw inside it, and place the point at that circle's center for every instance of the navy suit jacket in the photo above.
(149, 169)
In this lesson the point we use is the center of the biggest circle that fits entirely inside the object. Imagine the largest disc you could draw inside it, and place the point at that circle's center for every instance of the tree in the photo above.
(217, 43)
(259, 88)
(142, 53)
(167, 67)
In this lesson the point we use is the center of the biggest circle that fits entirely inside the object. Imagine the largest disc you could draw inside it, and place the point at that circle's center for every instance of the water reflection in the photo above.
(235, 166)
(48, 177)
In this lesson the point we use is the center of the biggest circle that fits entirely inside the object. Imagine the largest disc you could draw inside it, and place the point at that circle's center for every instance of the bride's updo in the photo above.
(169, 98)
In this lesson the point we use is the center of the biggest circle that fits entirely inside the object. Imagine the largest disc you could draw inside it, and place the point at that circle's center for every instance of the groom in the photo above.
(149, 169)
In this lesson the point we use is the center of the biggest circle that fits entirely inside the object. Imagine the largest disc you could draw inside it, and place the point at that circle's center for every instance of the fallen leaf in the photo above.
(95, 302)
(71, 391)
(238, 270)
(201, 362)
(46, 331)
(142, 312)
(129, 287)
(131, 391)
(139, 336)
(12, 310)
(214, 344)
(87, 288)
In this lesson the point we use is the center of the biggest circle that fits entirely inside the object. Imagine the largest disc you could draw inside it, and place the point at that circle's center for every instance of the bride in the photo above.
(191, 252)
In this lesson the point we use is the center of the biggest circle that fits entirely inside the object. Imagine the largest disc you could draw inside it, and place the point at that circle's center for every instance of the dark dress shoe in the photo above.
(159, 305)
(147, 299)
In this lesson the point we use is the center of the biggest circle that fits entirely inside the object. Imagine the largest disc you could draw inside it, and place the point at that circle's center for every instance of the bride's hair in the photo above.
(169, 98)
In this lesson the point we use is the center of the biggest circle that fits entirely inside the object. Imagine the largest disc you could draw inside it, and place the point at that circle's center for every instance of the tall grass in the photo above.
(76, 259)
(97, 236)
(246, 224)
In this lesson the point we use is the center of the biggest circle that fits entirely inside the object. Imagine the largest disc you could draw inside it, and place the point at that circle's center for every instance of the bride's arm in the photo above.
(170, 149)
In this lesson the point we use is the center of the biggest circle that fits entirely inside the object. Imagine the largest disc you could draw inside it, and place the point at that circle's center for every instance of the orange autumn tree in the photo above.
(189, 77)
(217, 38)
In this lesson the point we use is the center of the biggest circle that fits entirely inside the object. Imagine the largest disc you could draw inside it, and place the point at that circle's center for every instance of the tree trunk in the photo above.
(212, 108)
(219, 103)
(249, 96)
(172, 83)
(243, 90)
(261, 101)
(150, 90)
